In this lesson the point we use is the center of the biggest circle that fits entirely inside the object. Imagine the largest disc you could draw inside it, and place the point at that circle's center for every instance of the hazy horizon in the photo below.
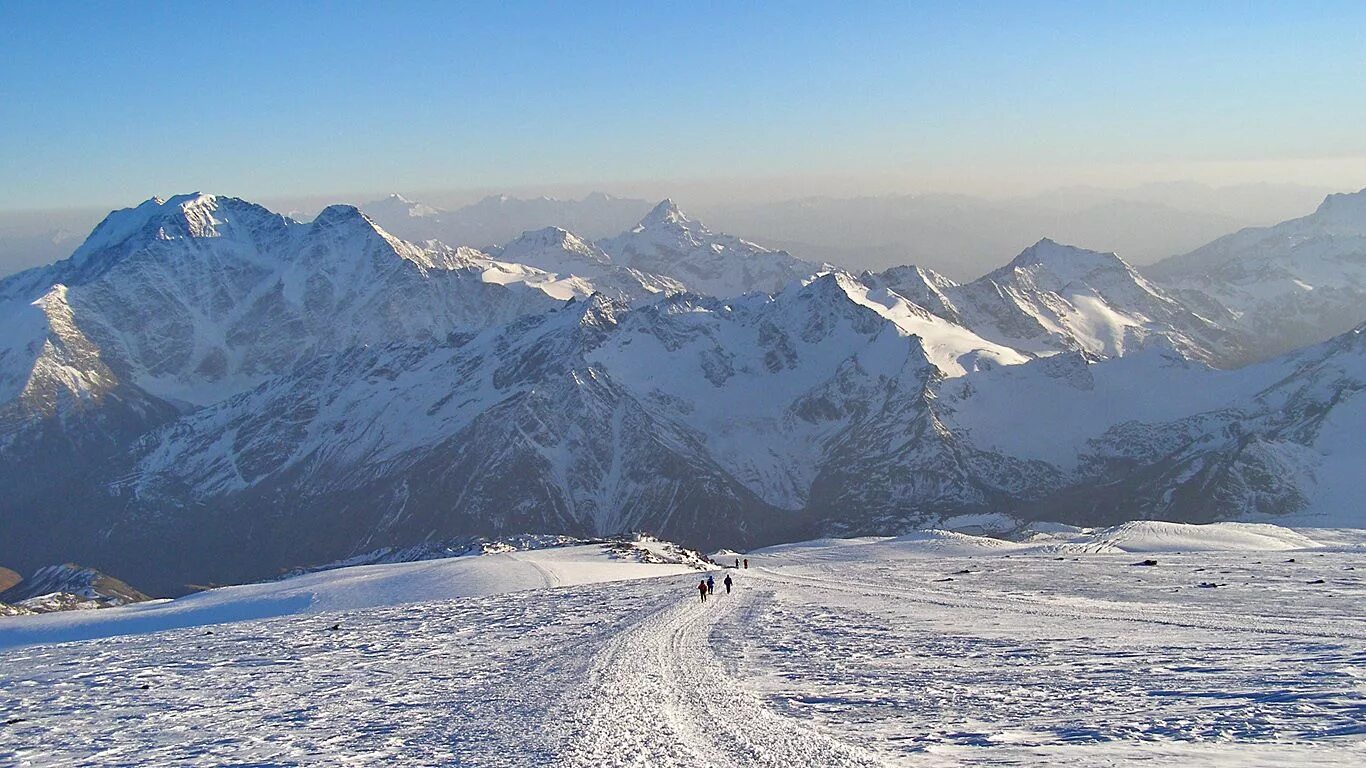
(107, 105)
(1201, 212)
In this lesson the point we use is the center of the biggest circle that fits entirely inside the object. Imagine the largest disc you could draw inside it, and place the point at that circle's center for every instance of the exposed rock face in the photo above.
(8, 579)
(69, 587)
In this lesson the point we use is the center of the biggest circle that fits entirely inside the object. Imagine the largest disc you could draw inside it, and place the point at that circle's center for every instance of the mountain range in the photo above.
(209, 392)
(500, 218)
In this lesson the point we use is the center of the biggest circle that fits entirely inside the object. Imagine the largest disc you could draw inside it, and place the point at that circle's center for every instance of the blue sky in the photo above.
(108, 103)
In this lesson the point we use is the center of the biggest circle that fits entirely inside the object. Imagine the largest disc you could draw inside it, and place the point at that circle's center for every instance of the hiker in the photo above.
(727, 582)
(702, 589)
(711, 584)
(737, 562)
(747, 563)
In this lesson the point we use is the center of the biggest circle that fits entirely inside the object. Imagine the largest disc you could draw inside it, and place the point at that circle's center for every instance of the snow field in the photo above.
(932, 649)
(344, 589)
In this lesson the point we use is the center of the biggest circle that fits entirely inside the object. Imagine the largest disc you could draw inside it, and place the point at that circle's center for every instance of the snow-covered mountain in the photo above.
(717, 423)
(1055, 297)
(207, 392)
(666, 242)
(198, 297)
(499, 218)
(1295, 283)
(1154, 435)
(561, 252)
(396, 207)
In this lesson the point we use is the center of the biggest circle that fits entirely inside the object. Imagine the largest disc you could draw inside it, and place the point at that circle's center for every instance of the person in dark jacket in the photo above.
(702, 589)
(727, 582)
(711, 584)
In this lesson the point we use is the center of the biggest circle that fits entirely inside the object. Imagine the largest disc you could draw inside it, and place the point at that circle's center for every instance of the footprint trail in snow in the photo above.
(658, 696)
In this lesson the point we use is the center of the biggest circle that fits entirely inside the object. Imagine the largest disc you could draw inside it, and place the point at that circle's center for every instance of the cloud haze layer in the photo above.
(108, 104)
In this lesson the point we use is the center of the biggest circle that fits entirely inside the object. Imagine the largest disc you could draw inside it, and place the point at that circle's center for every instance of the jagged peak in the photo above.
(665, 213)
(348, 221)
(835, 288)
(596, 310)
(1343, 209)
(193, 215)
(900, 275)
(834, 280)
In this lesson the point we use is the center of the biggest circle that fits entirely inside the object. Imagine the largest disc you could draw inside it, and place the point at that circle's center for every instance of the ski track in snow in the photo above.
(836, 657)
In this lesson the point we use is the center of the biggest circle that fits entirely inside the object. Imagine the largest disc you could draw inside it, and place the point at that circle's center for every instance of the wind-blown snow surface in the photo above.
(345, 589)
(935, 649)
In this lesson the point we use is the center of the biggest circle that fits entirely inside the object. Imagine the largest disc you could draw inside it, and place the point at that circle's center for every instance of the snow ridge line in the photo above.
(658, 696)
(1037, 608)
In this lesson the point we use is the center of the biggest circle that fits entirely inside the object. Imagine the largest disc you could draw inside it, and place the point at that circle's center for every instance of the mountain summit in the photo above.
(667, 242)
(666, 212)
(1285, 286)
(1054, 297)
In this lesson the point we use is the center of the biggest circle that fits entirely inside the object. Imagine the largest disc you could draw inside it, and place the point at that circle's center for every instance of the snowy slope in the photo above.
(1046, 539)
(756, 419)
(349, 589)
(1056, 297)
(1296, 283)
(560, 252)
(1276, 438)
(1154, 536)
(834, 653)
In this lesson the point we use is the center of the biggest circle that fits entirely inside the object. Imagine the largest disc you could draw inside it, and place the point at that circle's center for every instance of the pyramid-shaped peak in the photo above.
(666, 212)
(335, 214)
(1065, 260)
(348, 221)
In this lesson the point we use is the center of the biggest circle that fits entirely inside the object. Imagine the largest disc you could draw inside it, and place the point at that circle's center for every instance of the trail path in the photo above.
(658, 696)
(847, 655)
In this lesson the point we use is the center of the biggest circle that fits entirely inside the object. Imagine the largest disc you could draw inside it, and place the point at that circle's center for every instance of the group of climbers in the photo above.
(707, 586)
